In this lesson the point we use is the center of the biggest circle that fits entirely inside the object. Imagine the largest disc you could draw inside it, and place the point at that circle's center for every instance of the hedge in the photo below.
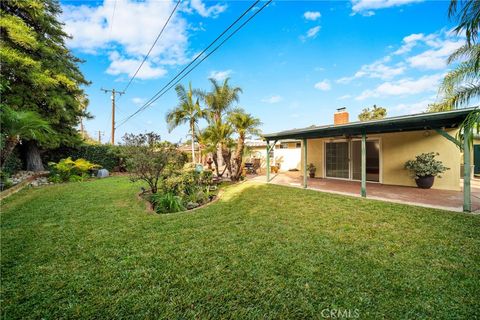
(109, 157)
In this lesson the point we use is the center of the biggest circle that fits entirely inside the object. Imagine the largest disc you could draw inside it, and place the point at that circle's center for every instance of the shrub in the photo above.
(109, 157)
(167, 203)
(13, 164)
(150, 160)
(425, 165)
(69, 170)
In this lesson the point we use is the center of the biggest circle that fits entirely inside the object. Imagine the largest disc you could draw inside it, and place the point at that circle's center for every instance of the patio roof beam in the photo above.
(449, 137)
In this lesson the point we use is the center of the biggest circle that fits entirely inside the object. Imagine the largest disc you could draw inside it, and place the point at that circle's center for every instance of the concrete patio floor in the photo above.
(433, 198)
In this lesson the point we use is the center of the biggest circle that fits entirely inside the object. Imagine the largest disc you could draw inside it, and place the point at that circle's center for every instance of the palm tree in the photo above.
(219, 100)
(462, 84)
(244, 124)
(217, 136)
(18, 125)
(188, 111)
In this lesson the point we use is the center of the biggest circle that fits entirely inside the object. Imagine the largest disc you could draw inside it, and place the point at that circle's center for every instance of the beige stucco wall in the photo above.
(396, 149)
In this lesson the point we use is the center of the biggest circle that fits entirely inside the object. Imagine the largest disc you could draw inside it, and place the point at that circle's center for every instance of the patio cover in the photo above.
(438, 121)
(414, 122)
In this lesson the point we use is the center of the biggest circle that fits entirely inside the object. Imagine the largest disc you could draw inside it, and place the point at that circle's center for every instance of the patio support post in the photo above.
(467, 200)
(304, 142)
(364, 165)
(268, 161)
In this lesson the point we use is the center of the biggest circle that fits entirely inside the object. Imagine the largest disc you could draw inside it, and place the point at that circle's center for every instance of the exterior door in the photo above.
(476, 158)
(337, 160)
(372, 159)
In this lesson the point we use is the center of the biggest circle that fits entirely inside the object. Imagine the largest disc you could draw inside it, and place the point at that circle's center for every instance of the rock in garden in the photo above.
(102, 173)
(192, 205)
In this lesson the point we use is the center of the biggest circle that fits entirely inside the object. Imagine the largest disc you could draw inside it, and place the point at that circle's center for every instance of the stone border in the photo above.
(19, 186)
(149, 207)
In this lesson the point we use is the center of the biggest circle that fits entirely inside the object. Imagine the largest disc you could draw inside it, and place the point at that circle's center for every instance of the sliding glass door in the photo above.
(337, 165)
(343, 160)
(372, 157)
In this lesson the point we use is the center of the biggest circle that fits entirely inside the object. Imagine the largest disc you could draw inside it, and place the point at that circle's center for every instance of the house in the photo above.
(286, 154)
(377, 150)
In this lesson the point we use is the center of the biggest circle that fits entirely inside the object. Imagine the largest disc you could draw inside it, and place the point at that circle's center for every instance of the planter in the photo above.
(312, 174)
(425, 182)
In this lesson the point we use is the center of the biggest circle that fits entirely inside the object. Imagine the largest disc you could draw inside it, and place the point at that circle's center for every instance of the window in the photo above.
(298, 145)
(283, 145)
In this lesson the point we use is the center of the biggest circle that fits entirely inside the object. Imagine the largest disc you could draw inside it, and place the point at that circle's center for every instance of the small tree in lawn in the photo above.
(149, 159)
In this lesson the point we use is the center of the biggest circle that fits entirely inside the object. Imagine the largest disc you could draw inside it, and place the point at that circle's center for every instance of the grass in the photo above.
(89, 250)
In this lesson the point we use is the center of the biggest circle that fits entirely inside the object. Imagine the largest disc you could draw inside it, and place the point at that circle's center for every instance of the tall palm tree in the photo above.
(218, 101)
(221, 98)
(244, 124)
(187, 111)
(18, 125)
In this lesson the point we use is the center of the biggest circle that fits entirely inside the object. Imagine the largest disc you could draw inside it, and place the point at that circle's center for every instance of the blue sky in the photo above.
(295, 61)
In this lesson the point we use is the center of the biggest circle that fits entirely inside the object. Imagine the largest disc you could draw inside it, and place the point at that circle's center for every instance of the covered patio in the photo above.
(441, 199)
(441, 123)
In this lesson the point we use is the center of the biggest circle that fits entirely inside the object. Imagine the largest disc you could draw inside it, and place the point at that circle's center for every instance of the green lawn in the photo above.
(90, 250)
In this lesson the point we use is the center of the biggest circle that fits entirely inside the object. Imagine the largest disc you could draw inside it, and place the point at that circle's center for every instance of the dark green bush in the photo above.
(107, 156)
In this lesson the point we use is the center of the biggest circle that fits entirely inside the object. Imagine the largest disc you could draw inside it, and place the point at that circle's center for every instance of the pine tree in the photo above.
(39, 73)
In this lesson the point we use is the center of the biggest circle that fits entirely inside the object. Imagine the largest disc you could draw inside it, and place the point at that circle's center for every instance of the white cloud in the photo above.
(220, 75)
(344, 97)
(272, 99)
(416, 107)
(323, 85)
(405, 87)
(377, 69)
(120, 65)
(435, 58)
(409, 42)
(212, 11)
(311, 33)
(132, 31)
(367, 6)
(312, 15)
(138, 101)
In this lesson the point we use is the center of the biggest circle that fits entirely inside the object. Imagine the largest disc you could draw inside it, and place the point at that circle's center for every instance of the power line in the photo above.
(153, 45)
(191, 62)
(113, 17)
(169, 85)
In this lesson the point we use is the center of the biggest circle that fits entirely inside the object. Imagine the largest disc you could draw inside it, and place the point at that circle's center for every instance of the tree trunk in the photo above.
(227, 154)
(10, 144)
(237, 159)
(192, 129)
(33, 159)
(215, 162)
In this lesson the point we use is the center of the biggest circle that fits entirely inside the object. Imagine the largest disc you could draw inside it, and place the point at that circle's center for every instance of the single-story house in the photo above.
(377, 150)
(286, 154)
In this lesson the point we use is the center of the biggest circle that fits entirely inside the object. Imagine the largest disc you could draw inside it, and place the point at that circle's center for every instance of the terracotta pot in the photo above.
(425, 182)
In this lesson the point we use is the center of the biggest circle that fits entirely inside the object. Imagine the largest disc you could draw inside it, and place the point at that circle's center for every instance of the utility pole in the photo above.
(114, 92)
(100, 134)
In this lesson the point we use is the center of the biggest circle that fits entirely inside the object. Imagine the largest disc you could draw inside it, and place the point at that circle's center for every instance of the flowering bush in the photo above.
(69, 170)
(425, 165)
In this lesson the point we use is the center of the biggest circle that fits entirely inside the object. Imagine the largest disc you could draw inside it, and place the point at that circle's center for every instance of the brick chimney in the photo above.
(341, 116)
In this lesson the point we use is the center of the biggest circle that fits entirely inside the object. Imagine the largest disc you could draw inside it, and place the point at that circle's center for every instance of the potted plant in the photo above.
(311, 170)
(425, 168)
